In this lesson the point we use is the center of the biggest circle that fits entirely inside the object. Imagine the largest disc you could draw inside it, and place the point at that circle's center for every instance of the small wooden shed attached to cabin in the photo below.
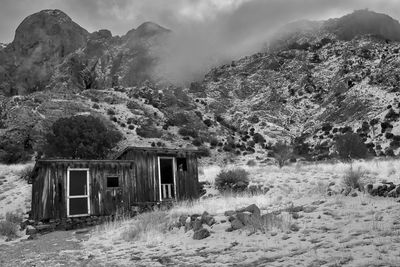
(63, 188)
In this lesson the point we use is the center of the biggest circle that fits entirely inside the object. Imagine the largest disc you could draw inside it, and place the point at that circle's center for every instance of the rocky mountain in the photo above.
(315, 81)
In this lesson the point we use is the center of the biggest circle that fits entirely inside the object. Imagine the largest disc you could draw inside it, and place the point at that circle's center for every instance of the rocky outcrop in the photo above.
(195, 223)
(387, 189)
(41, 42)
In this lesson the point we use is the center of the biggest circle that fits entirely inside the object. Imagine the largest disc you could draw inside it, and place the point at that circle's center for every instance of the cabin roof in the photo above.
(158, 150)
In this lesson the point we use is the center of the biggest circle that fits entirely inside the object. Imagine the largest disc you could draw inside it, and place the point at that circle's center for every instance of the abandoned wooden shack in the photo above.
(63, 188)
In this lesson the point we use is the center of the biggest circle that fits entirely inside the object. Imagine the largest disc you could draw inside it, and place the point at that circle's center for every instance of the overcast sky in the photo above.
(119, 16)
(207, 32)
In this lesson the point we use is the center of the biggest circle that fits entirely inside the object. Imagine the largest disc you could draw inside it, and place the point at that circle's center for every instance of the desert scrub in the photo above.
(25, 173)
(148, 224)
(9, 227)
(235, 180)
(354, 178)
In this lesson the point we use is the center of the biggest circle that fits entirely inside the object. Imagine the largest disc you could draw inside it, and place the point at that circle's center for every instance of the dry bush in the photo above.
(235, 180)
(25, 173)
(354, 178)
(147, 224)
(251, 163)
(10, 226)
(282, 153)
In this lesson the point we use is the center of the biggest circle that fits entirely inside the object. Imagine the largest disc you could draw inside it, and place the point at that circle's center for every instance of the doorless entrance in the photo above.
(166, 173)
(77, 192)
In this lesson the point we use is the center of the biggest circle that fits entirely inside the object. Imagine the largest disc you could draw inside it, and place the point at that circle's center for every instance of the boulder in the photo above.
(309, 209)
(207, 219)
(30, 230)
(197, 225)
(201, 234)
(244, 218)
(236, 224)
(229, 213)
(252, 209)
(182, 220)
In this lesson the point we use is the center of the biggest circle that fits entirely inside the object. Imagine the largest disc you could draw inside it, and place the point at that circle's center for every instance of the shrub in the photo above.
(350, 146)
(251, 163)
(213, 141)
(84, 137)
(9, 227)
(95, 106)
(186, 131)
(282, 152)
(204, 151)
(235, 180)
(13, 153)
(131, 127)
(25, 173)
(110, 112)
(354, 178)
(258, 138)
(208, 122)
(148, 131)
(197, 142)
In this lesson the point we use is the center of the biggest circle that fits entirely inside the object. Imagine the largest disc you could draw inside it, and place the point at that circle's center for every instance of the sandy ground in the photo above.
(15, 194)
(332, 230)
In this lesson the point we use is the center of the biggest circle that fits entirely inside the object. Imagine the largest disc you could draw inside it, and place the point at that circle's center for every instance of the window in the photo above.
(112, 181)
(181, 164)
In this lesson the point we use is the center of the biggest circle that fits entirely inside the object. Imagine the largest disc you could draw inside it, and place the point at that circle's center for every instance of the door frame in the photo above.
(173, 173)
(80, 196)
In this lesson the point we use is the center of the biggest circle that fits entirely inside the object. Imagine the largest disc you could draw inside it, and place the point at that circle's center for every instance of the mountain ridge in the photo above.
(311, 85)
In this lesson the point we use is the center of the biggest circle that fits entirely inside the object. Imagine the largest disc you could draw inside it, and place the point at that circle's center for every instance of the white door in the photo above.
(78, 203)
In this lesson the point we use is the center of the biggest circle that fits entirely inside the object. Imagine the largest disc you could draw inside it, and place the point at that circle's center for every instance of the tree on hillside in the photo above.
(80, 137)
(282, 152)
(350, 146)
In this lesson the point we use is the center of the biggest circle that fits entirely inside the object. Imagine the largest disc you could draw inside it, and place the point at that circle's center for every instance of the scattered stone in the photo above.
(295, 215)
(285, 237)
(197, 225)
(252, 209)
(30, 230)
(236, 224)
(229, 213)
(201, 234)
(354, 194)
(294, 228)
(32, 237)
(309, 209)
(207, 219)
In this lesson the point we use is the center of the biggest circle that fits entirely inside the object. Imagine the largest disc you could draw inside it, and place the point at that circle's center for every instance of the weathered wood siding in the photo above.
(49, 188)
(148, 176)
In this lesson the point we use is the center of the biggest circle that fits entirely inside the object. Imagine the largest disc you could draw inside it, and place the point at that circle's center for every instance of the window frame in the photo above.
(87, 195)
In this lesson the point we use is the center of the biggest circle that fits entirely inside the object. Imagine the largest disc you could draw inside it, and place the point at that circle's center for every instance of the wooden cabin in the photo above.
(63, 188)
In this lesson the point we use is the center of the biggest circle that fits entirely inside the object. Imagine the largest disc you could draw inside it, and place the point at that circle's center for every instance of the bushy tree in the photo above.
(80, 137)
(282, 152)
(350, 146)
(235, 180)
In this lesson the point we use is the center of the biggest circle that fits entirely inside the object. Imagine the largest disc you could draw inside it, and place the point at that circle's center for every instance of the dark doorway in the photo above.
(167, 178)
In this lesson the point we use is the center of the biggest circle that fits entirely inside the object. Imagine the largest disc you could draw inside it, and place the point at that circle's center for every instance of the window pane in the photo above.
(112, 181)
(77, 183)
(78, 206)
(181, 164)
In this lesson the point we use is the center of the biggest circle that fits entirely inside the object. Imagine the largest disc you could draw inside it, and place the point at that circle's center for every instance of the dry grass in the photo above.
(10, 226)
(148, 225)
(355, 178)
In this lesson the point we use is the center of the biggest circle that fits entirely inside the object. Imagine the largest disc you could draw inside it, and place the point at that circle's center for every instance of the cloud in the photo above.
(206, 32)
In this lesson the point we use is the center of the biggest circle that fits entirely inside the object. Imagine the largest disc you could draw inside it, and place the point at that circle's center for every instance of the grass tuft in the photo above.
(355, 178)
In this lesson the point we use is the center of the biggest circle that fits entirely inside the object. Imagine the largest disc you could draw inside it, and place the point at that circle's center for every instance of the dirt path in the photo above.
(60, 248)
